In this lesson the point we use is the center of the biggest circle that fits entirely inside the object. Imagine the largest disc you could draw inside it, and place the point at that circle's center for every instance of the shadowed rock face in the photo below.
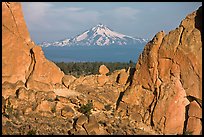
(170, 68)
(21, 58)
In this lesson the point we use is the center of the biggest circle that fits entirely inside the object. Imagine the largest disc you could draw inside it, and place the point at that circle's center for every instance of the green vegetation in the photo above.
(108, 107)
(8, 110)
(31, 132)
(87, 68)
(86, 109)
(188, 133)
(53, 110)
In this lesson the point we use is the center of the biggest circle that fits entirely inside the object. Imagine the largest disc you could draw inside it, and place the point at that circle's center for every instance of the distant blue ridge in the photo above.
(94, 53)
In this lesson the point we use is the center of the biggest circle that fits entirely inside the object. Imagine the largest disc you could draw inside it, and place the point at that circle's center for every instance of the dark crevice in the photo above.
(198, 20)
(186, 119)
(154, 103)
(131, 74)
(85, 129)
(191, 99)
(180, 37)
(65, 85)
(168, 58)
(117, 79)
(146, 88)
(8, 29)
(32, 66)
(119, 99)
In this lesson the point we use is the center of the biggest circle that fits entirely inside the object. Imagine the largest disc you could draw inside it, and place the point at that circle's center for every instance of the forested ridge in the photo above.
(87, 68)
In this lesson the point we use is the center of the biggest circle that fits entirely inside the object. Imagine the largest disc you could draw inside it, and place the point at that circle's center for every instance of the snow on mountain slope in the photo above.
(99, 35)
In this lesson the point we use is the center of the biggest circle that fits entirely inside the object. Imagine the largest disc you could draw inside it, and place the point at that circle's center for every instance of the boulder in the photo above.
(67, 80)
(92, 127)
(22, 94)
(102, 79)
(103, 70)
(195, 110)
(67, 111)
(50, 96)
(90, 80)
(82, 120)
(8, 89)
(45, 106)
(194, 126)
(123, 77)
(98, 105)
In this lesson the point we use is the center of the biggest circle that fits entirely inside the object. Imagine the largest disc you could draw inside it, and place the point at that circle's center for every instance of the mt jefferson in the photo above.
(100, 35)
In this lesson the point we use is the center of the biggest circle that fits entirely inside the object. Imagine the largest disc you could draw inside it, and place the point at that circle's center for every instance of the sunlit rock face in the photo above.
(21, 58)
(170, 69)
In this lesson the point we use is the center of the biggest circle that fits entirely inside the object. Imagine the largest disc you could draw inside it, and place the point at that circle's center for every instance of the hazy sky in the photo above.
(51, 21)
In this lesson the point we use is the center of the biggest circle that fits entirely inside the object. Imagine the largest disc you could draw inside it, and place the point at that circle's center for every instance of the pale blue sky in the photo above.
(51, 21)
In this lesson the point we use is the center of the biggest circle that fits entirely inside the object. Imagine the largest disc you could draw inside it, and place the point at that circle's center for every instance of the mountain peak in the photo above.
(101, 25)
(99, 35)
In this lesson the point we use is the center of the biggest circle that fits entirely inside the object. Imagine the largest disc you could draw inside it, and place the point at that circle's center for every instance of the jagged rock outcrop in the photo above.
(170, 70)
(163, 95)
(21, 58)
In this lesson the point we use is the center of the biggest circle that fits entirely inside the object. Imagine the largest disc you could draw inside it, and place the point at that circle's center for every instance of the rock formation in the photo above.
(162, 95)
(21, 58)
(170, 70)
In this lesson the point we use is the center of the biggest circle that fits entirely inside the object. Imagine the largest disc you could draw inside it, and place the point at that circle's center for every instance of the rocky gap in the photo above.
(146, 88)
(117, 79)
(191, 98)
(180, 37)
(164, 123)
(167, 58)
(32, 66)
(119, 99)
(186, 118)
(85, 129)
(153, 108)
(131, 75)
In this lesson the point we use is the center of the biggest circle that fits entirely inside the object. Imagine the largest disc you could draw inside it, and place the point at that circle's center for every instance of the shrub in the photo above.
(8, 110)
(86, 109)
(31, 132)
(188, 133)
(108, 107)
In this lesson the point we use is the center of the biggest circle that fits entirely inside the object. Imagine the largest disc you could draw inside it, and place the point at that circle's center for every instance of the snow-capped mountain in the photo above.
(99, 35)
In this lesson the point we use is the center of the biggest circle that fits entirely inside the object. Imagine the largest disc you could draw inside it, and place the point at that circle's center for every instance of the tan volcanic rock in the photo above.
(195, 110)
(44, 72)
(194, 126)
(170, 67)
(21, 58)
(102, 79)
(103, 70)
(16, 44)
(67, 80)
(123, 77)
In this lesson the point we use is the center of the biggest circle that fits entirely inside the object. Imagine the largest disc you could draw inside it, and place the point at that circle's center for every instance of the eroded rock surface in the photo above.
(162, 95)
(170, 68)
(21, 58)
